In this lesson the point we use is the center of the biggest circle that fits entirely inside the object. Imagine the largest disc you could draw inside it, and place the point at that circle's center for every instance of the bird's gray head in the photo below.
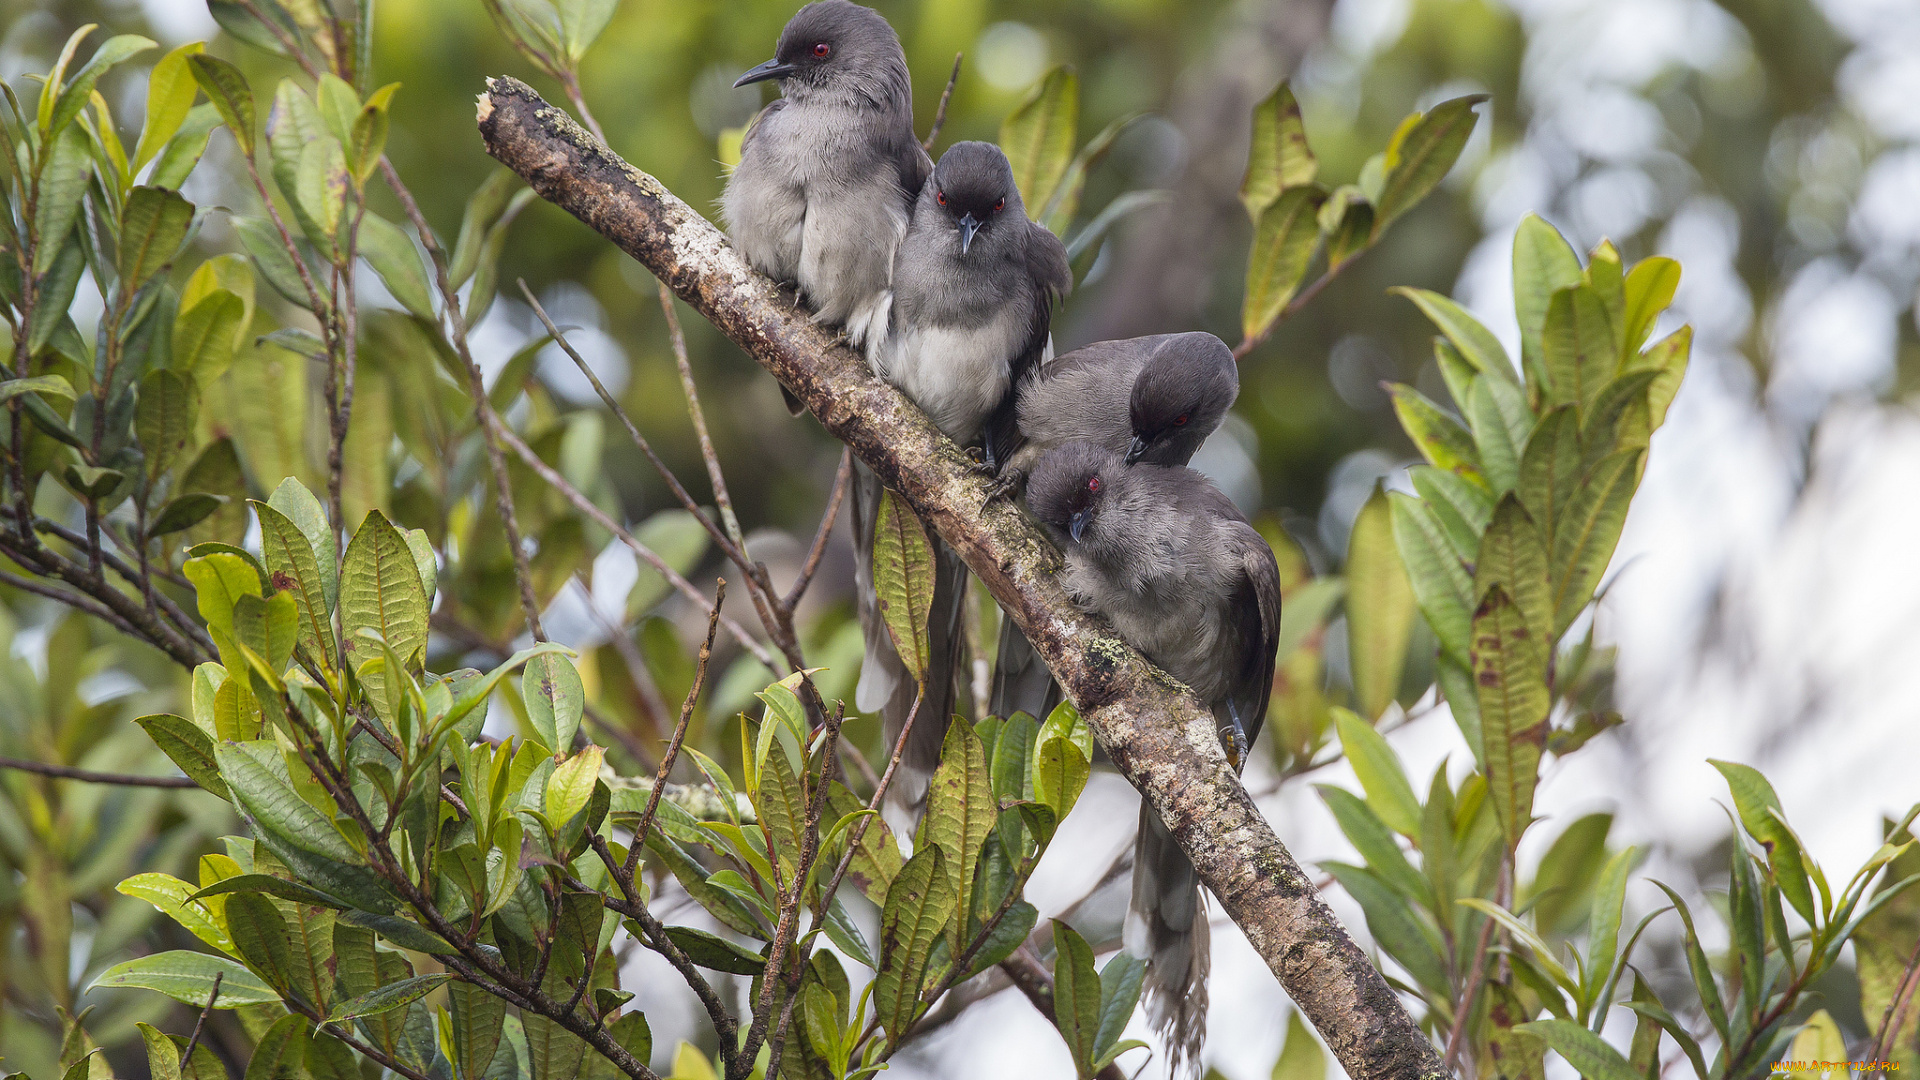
(840, 49)
(1180, 397)
(972, 188)
(1069, 487)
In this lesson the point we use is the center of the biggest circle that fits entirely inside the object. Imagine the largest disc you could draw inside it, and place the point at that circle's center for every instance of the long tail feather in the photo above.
(1167, 925)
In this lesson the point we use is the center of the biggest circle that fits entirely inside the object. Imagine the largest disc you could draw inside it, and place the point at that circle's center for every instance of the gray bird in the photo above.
(829, 171)
(974, 285)
(1154, 399)
(1186, 580)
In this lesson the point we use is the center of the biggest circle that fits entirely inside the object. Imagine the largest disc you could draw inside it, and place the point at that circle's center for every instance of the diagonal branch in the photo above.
(1157, 734)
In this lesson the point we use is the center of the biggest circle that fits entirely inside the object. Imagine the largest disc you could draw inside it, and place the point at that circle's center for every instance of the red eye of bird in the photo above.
(822, 50)
(1180, 421)
(940, 197)
(999, 206)
(1093, 484)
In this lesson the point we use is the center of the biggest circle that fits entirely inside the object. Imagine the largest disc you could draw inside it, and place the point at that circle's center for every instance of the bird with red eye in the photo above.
(822, 50)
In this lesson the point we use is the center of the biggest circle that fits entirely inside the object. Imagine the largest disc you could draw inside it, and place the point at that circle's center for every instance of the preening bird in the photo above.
(974, 285)
(1153, 399)
(829, 171)
(1185, 579)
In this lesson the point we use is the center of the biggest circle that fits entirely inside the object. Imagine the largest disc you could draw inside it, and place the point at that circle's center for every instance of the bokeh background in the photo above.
(1765, 598)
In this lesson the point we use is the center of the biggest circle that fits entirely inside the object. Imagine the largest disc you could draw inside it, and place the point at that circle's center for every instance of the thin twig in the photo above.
(940, 114)
(819, 548)
(1474, 977)
(679, 730)
(199, 1025)
(646, 554)
(1896, 1014)
(1293, 307)
(66, 772)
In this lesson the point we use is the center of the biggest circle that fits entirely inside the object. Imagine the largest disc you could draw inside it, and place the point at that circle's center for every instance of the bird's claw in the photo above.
(979, 463)
(1234, 742)
(1003, 488)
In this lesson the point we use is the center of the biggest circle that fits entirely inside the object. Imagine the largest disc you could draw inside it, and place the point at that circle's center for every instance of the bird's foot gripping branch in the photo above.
(1159, 736)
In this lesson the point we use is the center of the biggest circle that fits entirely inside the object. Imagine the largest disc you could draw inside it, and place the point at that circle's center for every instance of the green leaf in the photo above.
(484, 208)
(1421, 154)
(1669, 357)
(204, 335)
(219, 580)
(367, 140)
(1346, 220)
(74, 94)
(477, 1025)
(320, 191)
(1060, 772)
(903, 578)
(283, 888)
(1306, 612)
(293, 569)
(918, 904)
(63, 180)
(716, 953)
(269, 626)
(1011, 932)
(1393, 924)
(1375, 843)
(1440, 583)
(1650, 286)
(387, 998)
(401, 932)
(1476, 343)
(1585, 1051)
(1497, 411)
(163, 420)
(960, 813)
(1378, 769)
(1603, 922)
(555, 699)
(1300, 1055)
(1076, 996)
(380, 590)
(260, 936)
(423, 560)
(262, 242)
(876, 861)
(1753, 797)
(1380, 607)
(299, 506)
(1550, 472)
(1578, 347)
(680, 540)
(1278, 158)
(153, 224)
(185, 512)
(570, 786)
(1284, 237)
(272, 803)
(1509, 662)
(1439, 436)
(173, 898)
(163, 1058)
(1584, 540)
(581, 22)
(186, 746)
(1038, 136)
(187, 977)
(183, 151)
(170, 94)
(1120, 983)
(1543, 263)
(227, 89)
(390, 251)
(1512, 556)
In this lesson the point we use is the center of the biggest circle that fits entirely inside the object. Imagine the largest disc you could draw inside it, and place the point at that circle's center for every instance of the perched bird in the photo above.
(1186, 580)
(829, 171)
(974, 285)
(1154, 399)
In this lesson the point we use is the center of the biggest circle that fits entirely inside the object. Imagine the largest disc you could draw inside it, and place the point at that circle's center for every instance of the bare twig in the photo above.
(200, 1024)
(1300, 300)
(67, 772)
(819, 548)
(940, 113)
(1474, 976)
(679, 731)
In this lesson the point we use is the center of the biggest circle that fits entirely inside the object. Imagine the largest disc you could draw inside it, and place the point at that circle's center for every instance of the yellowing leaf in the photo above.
(903, 578)
(570, 787)
(1038, 136)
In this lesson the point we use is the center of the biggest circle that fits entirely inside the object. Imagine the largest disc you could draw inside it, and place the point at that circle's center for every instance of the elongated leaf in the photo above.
(63, 180)
(1650, 286)
(1439, 436)
(387, 998)
(367, 140)
(380, 590)
(294, 569)
(1476, 343)
(1578, 346)
(164, 418)
(876, 861)
(1550, 472)
(1120, 983)
(1380, 607)
(188, 747)
(1394, 927)
(960, 813)
(1421, 154)
(477, 1017)
(1512, 1054)
(1497, 411)
(555, 699)
(1583, 542)
(204, 334)
(273, 804)
(401, 932)
(1584, 1050)
(903, 578)
(321, 190)
(173, 898)
(391, 253)
(1543, 263)
(1603, 922)
(1512, 556)
(170, 94)
(1753, 797)
(1278, 157)
(53, 386)
(570, 786)
(187, 977)
(918, 904)
(715, 952)
(74, 94)
(1284, 237)
(1375, 843)
(227, 89)
(1076, 995)
(1038, 136)
(153, 224)
(1510, 672)
(283, 888)
(303, 510)
(262, 242)
(1440, 583)
(1378, 769)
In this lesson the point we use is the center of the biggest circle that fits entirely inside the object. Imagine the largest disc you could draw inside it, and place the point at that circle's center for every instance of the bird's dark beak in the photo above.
(772, 69)
(968, 226)
(1136, 450)
(1077, 525)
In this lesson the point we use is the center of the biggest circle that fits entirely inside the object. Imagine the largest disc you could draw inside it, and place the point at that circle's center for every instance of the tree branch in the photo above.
(1157, 734)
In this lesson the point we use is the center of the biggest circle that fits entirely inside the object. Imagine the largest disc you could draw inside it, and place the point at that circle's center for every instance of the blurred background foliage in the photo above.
(1767, 143)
